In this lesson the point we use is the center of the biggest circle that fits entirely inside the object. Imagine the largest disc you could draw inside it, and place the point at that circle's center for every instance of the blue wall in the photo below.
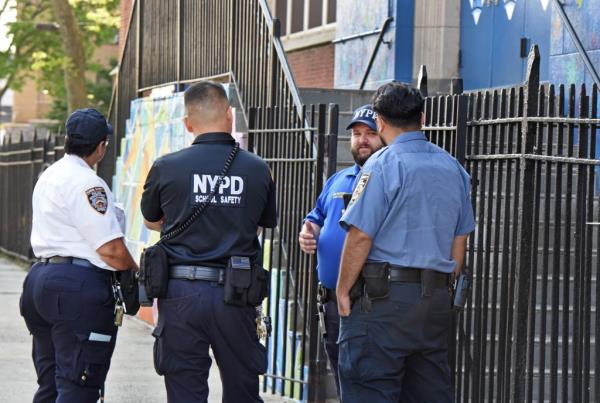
(404, 40)
(490, 50)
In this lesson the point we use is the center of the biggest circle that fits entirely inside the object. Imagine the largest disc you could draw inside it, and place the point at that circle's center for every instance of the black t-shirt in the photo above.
(179, 181)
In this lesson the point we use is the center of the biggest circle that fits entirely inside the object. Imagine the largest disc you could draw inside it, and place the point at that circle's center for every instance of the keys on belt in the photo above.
(119, 304)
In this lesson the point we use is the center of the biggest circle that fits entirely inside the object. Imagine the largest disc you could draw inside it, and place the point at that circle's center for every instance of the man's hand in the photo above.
(344, 305)
(356, 249)
(308, 237)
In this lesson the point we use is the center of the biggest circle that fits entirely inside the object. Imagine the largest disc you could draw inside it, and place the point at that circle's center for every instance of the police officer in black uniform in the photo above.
(193, 315)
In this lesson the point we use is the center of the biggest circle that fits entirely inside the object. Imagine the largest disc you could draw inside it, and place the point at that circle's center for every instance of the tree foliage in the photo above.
(36, 50)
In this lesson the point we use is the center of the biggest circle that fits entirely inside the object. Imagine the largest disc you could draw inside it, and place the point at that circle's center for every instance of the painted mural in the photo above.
(352, 56)
(566, 66)
(154, 128)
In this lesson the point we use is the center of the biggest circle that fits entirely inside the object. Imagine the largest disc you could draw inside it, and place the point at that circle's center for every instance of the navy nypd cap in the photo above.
(365, 114)
(87, 126)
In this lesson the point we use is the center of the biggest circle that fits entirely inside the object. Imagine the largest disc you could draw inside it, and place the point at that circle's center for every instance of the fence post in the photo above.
(462, 104)
(316, 366)
(422, 81)
(524, 224)
(332, 138)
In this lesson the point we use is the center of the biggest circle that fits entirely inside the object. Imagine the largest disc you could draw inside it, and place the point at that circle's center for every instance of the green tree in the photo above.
(53, 41)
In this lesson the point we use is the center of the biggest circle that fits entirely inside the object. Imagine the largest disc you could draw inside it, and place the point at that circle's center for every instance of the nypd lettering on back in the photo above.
(231, 193)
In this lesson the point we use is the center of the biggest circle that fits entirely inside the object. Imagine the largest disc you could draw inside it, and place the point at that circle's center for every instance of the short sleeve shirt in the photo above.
(244, 201)
(327, 213)
(412, 198)
(73, 212)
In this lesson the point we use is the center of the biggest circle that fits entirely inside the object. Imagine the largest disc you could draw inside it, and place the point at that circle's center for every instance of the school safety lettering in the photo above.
(232, 191)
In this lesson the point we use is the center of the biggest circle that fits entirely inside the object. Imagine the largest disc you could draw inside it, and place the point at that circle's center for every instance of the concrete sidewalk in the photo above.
(130, 379)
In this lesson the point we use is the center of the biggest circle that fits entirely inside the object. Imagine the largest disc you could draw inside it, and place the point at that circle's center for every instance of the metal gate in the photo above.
(299, 147)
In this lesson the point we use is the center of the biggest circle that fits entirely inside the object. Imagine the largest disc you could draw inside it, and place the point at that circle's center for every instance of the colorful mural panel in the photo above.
(352, 56)
(154, 128)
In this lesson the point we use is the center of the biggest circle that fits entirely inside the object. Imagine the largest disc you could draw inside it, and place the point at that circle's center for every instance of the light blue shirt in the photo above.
(412, 198)
(326, 214)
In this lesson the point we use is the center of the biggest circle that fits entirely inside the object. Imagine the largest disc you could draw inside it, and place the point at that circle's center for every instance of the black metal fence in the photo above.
(21, 162)
(300, 149)
(176, 42)
(530, 330)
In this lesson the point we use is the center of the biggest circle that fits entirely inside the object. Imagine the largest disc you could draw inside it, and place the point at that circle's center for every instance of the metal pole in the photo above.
(316, 366)
(372, 59)
(523, 280)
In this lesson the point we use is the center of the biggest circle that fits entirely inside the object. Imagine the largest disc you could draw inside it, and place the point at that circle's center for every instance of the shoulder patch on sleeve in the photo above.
(97, 198)
(360, 186)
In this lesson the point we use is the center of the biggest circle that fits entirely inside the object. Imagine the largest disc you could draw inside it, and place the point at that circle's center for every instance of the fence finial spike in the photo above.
(456, 86)
(422, 80)
(533, 64)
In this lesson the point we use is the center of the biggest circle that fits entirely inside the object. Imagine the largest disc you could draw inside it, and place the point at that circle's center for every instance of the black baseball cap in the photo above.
(87, 126)
(366, 115)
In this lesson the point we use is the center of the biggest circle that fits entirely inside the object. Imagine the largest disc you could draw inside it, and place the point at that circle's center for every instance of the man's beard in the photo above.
(360, 159)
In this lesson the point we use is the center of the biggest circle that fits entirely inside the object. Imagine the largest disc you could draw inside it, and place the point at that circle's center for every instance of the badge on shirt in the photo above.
(360, 186)
(97, 198)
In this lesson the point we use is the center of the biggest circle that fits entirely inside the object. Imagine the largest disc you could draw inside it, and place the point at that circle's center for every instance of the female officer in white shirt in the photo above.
(67, 301)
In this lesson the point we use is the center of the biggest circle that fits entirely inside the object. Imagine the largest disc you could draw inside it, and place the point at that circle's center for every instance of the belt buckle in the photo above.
(191, 273)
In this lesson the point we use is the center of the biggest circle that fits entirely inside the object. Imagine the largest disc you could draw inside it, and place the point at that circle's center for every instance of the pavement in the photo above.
(131, 377)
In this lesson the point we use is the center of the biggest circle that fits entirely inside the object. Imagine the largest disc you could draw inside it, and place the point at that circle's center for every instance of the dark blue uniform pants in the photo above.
(69, 310)
(398, 352)
(332, 326)
(193, 317)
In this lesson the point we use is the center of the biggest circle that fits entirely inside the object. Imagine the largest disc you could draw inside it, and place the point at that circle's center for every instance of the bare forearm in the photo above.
(355, 252)
(459, 246)
(116, 255)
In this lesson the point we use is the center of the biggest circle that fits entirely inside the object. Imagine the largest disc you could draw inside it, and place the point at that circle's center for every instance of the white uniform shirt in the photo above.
(73, 212)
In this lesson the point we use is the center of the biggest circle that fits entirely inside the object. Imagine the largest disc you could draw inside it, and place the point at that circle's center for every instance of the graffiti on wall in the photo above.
(352, 56)
(566, 66)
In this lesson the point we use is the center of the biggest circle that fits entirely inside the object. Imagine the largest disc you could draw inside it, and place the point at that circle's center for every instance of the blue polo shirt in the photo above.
(412, 198)
(327, 213)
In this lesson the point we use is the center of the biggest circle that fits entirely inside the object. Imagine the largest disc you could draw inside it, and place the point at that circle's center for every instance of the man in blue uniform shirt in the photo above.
(193, 315)
(412, 209)
(321, 224)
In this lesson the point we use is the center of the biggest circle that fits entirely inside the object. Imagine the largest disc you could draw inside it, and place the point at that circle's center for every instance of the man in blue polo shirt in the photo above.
(321, 226)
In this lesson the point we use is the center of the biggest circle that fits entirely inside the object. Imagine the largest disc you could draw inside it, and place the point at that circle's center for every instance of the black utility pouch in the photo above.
(259, 286)
(376, 276)
(129, 288)
(154, 271)
(238, 276)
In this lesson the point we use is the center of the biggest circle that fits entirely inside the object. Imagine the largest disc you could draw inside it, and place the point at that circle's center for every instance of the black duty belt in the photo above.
(75, 261)
(197, 273)
(69, 260)
(412, 275)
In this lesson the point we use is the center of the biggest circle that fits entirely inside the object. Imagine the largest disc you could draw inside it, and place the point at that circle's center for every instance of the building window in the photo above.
(303, 15)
